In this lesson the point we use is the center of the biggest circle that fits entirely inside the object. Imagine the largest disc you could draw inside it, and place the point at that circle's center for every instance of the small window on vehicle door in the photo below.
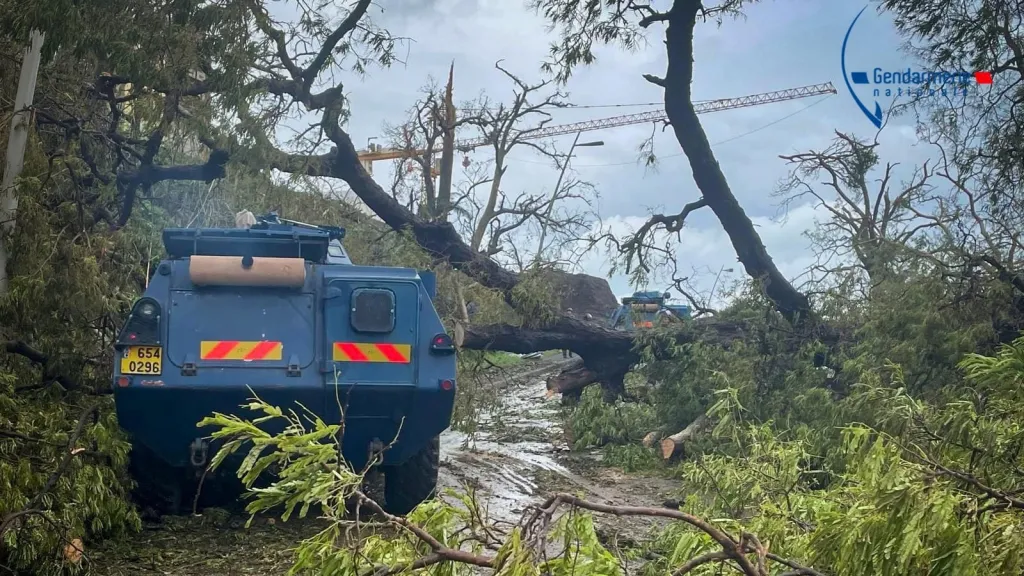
(373, 310)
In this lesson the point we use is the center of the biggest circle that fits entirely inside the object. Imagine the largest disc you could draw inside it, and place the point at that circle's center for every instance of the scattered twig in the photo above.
(535, 525)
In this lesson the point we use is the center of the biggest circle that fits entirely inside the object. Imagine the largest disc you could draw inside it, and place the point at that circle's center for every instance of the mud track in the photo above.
(517, 456)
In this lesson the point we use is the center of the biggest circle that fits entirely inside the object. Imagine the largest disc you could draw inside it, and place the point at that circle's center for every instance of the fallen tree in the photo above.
(284, 76)
(606, 355)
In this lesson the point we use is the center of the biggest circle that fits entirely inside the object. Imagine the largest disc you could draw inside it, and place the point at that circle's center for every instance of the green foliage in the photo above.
(532, 298)
(584, 25)
(909, 324)
(896, 485)
(584, 552)
(594, 422)
(632, 458)
(44, 507)
(307, 462)
(502, 359)
(190, 33)
(310, 475)
(68, 288)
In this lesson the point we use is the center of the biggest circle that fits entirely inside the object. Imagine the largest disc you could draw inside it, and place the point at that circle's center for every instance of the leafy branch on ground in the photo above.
(555, 536)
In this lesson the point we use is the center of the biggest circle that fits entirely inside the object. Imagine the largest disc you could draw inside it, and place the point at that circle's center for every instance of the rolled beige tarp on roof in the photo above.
(265, 271)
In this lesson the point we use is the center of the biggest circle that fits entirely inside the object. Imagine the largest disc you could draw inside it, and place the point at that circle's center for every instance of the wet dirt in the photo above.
(520, 455)
(517, 457)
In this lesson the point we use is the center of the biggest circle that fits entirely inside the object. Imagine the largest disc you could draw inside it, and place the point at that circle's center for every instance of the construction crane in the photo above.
(376, 153)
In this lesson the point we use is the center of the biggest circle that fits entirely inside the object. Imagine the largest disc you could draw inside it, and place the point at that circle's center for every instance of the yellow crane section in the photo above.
(375, 153)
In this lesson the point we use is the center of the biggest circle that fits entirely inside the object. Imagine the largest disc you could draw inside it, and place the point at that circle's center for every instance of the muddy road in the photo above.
(520, 454)
(517, 456)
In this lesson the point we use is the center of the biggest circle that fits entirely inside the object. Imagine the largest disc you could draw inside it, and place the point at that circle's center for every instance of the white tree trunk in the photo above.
(17, 141)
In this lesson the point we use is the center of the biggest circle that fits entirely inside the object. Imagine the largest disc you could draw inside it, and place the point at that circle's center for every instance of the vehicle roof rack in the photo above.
(269, 237)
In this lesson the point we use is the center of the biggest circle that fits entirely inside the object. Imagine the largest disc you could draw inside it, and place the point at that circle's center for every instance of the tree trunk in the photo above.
(572, 378)
(487, 214)
(444, 189)
(651, 439)
(17, 141)
(708, 174)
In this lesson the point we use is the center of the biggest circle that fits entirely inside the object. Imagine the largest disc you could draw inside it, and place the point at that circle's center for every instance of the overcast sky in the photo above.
(781, 44)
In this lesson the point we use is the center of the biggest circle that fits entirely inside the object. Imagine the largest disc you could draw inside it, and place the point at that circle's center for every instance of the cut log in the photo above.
(673, 444)
(651, 439)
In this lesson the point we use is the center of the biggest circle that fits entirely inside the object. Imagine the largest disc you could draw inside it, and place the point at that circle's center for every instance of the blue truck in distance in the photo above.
(280, 308)
(644, 309)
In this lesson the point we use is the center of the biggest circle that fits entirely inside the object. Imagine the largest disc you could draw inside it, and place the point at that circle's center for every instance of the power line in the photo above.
(583, 106)
(727, 140)
(636, 105)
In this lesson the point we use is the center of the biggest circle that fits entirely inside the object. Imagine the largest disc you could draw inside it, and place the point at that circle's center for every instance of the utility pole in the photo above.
(554, 194)
(17, 141)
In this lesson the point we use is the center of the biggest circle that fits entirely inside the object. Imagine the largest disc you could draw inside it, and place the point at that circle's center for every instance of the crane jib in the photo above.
(700, 107)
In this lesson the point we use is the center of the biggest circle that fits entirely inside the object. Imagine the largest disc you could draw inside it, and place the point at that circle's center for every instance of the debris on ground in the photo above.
(517, 456)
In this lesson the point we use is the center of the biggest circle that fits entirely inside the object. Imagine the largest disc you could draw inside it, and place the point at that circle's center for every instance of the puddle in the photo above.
(519, 456)
(518, 438)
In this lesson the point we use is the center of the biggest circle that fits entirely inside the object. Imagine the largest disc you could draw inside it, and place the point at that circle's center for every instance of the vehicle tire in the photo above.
(160, 488)
(412, 482)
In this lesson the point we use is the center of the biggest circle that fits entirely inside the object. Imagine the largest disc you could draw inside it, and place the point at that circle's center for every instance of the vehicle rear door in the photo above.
(371, 329)
(251, 328)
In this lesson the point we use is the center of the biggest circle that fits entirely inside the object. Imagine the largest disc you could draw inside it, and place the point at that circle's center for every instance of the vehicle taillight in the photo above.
(143, 325)
(442, 344)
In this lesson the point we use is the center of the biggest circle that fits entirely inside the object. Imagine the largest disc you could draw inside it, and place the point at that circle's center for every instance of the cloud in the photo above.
(705, 251)
(772, 48)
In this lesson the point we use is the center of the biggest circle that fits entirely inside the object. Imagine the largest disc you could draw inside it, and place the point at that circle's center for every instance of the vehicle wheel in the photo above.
(159, 488)
(412, 482)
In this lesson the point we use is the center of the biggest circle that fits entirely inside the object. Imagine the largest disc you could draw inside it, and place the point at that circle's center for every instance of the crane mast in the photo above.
(375, 154)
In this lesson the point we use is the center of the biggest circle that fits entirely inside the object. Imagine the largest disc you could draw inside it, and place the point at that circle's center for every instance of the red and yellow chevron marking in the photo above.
(372, 352)
(240, 350)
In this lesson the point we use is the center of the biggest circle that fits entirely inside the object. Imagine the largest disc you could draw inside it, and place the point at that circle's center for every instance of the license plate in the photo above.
(142, 360)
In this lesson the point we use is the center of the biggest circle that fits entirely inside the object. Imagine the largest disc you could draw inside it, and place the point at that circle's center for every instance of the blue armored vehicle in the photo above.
(279, 308)
(644, 309)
